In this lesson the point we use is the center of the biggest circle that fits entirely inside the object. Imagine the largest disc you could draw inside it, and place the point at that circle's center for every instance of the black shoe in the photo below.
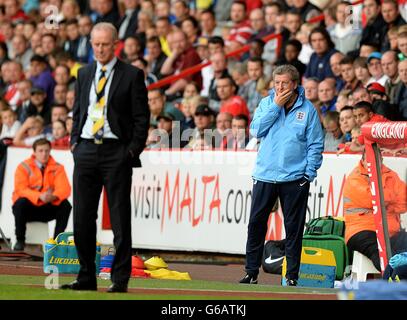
(291, 282)
(19, 246)
(249, 279)
(76, 285)
(117, 288)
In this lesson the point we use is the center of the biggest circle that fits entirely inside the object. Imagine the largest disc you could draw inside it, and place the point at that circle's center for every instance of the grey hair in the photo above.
(287, 69)
(106, 26)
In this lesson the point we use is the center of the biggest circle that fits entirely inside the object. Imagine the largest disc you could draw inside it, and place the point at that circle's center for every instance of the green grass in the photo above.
(32, 288)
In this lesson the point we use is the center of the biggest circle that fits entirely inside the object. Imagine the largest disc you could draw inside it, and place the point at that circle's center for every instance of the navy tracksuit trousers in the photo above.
(293, 198)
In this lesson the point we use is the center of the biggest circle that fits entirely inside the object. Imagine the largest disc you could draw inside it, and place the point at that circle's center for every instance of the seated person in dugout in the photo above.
(360, 230)
(41, 189)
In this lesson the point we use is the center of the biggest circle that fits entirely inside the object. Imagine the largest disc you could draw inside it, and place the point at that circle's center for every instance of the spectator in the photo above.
(333, 134)
(84, 53)
(10, 124)
(326, 95)
(41, 76)
(291, 53)
(157, 104)
(324, 48)
(29, 132)
(367, 48)
(353, 146)
(183, 56)
(61, 75)
(342, 100)
(164, 29)
(155, 56)
(38, 105)
(142, 64)
(389, 63)
(402, 45)
(70, 9)
(22, 52)
(60, 137)
(208, 24)
(392, 17)
(60, 92)
(347, 122)
(392, 35)
(229, 101)
(72, 44)
(46, 203)
(58, 112)
(307, 9)
(303, 37)
(203, 128)
(373, 31)
(190, 27)
(12, 73)
(106, 12)
(223, 131)
(188, 107)
(401, 94)
(241, 30)
(181, 11)
(256, 84)
(362, 71)
(24, 88)
(127, 24)
(258, 24)
(132, 49)
(191, 90)
(311, 91)
(219, 67)
(48, 44)
(380, 102)
(70, 99)
(348, 74)
(360, 231)
(163, 9)
(375, 69)
(13, 11)
(240, 137)
(334, 62)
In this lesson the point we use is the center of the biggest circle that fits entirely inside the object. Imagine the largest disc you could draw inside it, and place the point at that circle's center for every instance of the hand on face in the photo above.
(282, 97)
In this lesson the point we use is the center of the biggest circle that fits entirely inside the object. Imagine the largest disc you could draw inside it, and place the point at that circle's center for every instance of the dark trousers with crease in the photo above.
(97, 166)
(293, 198)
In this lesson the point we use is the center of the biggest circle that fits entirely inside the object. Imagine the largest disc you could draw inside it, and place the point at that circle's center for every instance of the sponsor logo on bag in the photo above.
(54, 260)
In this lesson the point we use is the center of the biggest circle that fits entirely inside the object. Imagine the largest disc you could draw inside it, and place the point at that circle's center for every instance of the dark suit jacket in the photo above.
(132, 26)
(127, 106)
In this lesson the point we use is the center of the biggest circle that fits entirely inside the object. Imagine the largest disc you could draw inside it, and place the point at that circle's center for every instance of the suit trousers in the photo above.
(293, 198)
(105, 165)
(24, 211)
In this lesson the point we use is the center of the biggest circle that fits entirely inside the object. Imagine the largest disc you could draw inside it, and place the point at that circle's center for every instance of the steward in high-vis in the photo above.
(41, 190)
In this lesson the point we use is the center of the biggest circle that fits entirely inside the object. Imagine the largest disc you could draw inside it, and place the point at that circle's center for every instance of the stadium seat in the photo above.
(361, 267)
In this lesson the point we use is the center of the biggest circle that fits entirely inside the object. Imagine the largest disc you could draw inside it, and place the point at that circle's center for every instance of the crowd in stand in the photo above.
(353, 65)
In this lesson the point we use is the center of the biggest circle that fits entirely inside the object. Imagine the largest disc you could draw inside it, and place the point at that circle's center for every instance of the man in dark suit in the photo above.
(110, 126)
(127, 25)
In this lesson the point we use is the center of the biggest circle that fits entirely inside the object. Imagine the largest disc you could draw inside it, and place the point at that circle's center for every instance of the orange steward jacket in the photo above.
(30, 183)
(357, 201)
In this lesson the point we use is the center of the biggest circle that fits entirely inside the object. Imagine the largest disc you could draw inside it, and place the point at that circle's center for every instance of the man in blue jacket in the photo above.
(289, 156)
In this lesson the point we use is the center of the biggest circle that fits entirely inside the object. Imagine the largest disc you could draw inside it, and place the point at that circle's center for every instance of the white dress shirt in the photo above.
(87, 128)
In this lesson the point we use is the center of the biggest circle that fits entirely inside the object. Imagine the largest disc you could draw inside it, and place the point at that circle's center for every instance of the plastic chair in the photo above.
(361, 267)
